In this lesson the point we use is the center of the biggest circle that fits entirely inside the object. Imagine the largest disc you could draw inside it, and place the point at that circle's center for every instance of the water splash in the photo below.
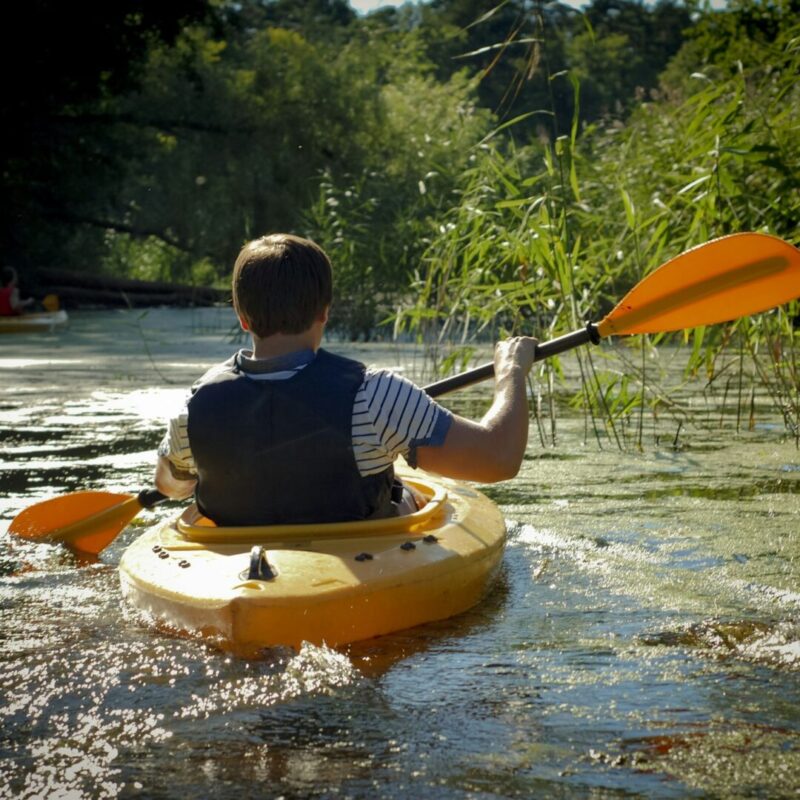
(776, 643)
(283, 676)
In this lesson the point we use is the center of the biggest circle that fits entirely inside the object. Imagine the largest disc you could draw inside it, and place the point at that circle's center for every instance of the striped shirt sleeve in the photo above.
(175, 444)
(391, 417)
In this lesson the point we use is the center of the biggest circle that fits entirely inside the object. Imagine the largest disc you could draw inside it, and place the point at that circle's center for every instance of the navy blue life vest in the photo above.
(280, 451)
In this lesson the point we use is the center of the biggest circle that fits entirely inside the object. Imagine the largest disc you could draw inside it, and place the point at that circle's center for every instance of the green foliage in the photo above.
(617, 47)
(240, 134)
(551, 234)
(59, 158)
(152, 259)
(593, 60)
(717, 43)
(207, 123)
(376, 224)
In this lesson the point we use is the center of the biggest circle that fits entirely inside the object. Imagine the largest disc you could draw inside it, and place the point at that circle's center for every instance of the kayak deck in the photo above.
(30, 323)
(331, 584)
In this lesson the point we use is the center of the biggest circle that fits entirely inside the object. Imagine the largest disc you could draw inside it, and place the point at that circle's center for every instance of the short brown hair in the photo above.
(281, 284)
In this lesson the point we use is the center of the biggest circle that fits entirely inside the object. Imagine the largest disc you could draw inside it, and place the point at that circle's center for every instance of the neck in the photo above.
(279, 344)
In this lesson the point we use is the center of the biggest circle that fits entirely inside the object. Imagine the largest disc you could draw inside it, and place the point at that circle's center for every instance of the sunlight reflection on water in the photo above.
(148, 404)
(643, 637)
(38, 363)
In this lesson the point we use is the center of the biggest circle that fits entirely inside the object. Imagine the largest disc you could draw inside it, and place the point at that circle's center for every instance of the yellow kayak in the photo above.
(30, 323)
(335, 583)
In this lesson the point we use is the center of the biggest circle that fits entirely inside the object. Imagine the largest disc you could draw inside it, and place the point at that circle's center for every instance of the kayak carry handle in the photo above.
(260, 568)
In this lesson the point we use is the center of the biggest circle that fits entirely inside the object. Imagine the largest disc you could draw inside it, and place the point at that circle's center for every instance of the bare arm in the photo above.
(490, 450)
(171, 482)
(16, 302)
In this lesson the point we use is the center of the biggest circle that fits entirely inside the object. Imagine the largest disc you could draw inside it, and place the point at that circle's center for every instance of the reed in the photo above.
(550, 231)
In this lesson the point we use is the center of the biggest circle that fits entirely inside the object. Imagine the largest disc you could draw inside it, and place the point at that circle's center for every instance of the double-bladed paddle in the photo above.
(724, 279)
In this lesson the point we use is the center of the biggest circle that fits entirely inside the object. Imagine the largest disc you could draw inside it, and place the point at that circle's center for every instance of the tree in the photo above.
(55, 149)
(239, 137)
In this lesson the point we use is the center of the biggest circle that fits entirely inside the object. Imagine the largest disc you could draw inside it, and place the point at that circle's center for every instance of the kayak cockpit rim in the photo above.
(194, 527)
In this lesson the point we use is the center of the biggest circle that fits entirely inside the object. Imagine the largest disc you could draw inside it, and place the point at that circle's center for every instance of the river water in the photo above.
(643, 638)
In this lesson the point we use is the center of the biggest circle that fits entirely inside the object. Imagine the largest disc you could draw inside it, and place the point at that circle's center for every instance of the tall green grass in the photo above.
(551, 232)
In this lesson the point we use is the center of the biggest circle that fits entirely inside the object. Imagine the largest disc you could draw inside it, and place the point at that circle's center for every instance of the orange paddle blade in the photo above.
(724, 279)
(86, 521)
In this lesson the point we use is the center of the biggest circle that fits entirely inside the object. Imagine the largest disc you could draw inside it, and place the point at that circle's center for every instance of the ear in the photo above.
(323, 317)
(244, 325)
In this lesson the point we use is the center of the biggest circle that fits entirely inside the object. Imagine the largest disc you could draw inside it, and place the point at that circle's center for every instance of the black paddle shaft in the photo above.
(543, 350)
(149, 497)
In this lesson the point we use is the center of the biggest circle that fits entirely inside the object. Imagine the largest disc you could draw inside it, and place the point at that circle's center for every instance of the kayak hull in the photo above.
(32, 323)
(328, 586)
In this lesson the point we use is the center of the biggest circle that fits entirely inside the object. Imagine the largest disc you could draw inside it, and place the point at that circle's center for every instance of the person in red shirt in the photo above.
(11, 304)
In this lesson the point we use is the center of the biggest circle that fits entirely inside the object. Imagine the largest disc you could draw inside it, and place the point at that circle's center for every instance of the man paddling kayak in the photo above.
(290, 433)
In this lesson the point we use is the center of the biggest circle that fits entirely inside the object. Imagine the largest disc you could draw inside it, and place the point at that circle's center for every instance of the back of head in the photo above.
(281, 284)
(9, 276)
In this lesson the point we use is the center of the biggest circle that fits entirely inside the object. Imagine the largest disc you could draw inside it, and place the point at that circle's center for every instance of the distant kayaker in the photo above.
(288, 432)
(11, 304)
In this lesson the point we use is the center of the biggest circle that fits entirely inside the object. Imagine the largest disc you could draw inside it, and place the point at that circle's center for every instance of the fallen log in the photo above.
(77, 290)
(76, 297)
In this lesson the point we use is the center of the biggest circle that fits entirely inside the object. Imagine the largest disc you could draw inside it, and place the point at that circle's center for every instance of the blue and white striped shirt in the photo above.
(391, 415)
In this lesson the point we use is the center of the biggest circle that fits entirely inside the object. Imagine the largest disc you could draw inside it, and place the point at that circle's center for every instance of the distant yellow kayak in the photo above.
(29, 323)
(248, 588)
